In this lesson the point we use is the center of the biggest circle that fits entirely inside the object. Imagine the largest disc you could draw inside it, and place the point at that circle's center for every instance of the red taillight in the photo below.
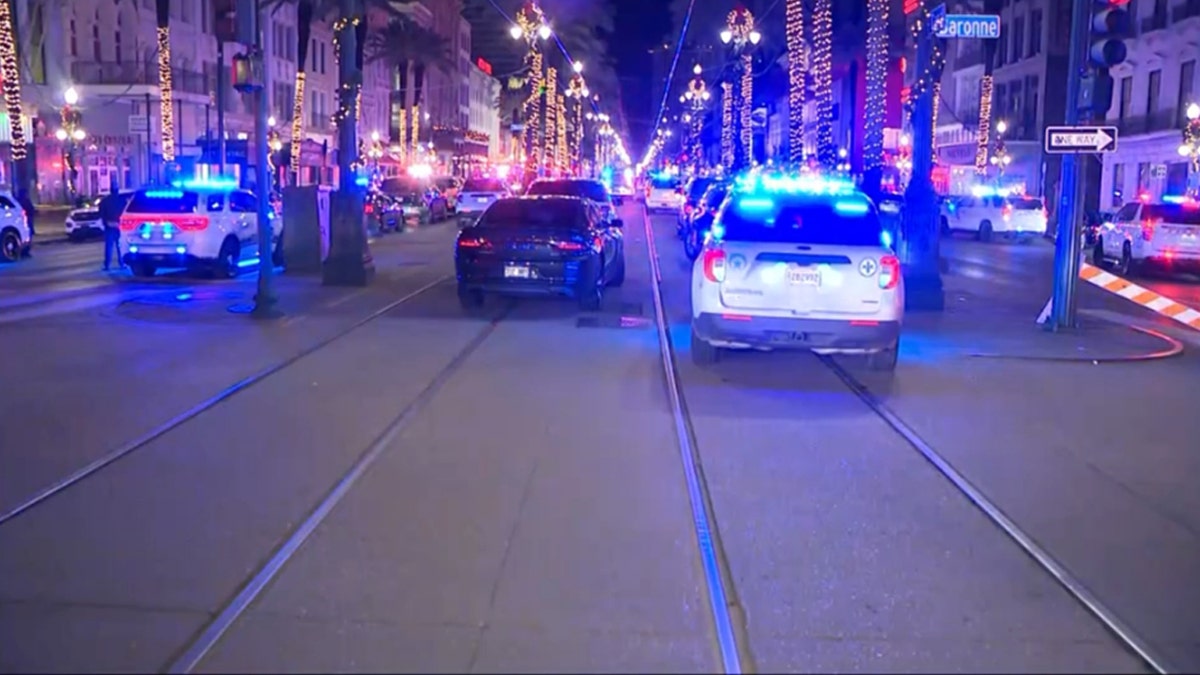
(129, 224)
(473, 242)
(190, 223)
(1148, 229)
(687, 210)
(370, 208)
(714, 265)
(889, 272)
(568, 246)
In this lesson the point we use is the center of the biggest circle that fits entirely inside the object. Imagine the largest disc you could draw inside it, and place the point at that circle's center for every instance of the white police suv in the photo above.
(200, 225)
(797, 262)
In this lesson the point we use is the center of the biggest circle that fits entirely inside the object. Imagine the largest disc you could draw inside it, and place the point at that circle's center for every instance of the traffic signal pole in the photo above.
(920, 241)
(1067, 245)
(264, 298)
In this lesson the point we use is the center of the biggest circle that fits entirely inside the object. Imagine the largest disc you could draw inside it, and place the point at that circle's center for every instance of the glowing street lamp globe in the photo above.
(516, 32)
(1193, 111)
(61, 134)
(726, 36)
(544, 32)
(71, 96)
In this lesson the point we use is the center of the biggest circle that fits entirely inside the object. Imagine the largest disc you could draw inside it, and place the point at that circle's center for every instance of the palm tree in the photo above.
(876, 102)
(983, 135)
(11, 74)
(166, 109)
(402, 44)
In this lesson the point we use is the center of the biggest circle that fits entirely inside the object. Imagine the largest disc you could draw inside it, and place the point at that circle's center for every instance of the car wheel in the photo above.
(143, 269)
(227, 260)
(985, 231)
(945, 227)
(692, 244)
(469, 298)
(618, 275)
(703, 352)
(1126, 267)
(1098, 254)
(885, 359)
(10, 246)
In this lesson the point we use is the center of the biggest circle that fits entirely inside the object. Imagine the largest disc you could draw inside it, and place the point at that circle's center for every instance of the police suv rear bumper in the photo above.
(737, 330)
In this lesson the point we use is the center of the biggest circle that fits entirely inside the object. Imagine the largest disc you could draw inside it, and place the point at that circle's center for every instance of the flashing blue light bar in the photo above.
(885, 238)
(803, 183)
(208, 184)
(850, 208)
(249, 262)
(756, 204)
(1179, 199)
(164, 194)
(361, 181)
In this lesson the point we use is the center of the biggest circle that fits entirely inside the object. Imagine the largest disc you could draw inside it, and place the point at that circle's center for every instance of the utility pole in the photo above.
(264, 298)
(923, 288)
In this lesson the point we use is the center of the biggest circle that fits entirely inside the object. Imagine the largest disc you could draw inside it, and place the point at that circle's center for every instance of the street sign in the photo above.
(139, 124)
(1080, 140)
(979, 26)
(937, 19)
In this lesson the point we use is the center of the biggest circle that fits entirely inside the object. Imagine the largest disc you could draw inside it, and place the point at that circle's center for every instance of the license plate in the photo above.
(804, 277)
(516, 272)
(481, 200)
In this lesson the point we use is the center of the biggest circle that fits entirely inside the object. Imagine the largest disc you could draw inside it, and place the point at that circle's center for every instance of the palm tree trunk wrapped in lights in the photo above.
(986, 85)
(745, 124)
(418, 96)
(797, 50)
(822, 70)
(876, 100)
(11, 72)
(304, 17)
(727, 123)
(166, 108)
(533, 112)
(563, 148)
(551, 116)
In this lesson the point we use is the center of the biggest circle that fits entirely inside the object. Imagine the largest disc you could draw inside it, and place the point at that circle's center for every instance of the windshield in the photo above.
(845, 222)
(396, 186)
(587, 189)
(1025, 204)
(483, 185)
(1172, 214)
(534, 214)
(163, 201)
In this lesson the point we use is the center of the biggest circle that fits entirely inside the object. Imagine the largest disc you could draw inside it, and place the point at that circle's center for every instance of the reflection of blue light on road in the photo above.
(183, 297)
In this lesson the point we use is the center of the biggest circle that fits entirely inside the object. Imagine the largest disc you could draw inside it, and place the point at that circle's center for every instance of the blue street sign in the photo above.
(979, 26)
(937, 19)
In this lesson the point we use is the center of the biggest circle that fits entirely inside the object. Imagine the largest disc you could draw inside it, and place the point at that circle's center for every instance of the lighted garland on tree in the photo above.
(349, 94)
(533, 111)
(166, 107)
(937, 97)
(822, 69)
(551, 142)
(561, 125)
(402, 135)
(876, 100)
(727, 123)
(745, 126)
(797, 49)
(11, 72)
(927, 82)
(983, 135)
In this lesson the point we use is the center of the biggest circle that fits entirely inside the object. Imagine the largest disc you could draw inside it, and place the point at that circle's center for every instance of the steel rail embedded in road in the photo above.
(712, 557)
(211, 634)
(109, 458)
(1072, 584)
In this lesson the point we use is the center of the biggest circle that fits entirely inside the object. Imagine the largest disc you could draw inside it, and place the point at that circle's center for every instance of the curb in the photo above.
(1174, 348)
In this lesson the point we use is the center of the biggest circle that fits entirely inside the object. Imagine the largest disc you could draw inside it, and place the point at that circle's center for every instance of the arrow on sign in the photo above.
(1080, 140)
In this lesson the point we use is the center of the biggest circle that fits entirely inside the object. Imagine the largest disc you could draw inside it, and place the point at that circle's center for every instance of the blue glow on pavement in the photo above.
(183, 297)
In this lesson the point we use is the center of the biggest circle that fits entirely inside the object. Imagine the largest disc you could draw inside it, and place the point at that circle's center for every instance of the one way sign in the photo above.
(1080, 140)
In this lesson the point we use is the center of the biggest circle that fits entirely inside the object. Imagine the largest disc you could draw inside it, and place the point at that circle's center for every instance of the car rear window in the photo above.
(664, 183)
(586, 189)
(1173, 214)
(1020, 204)
(490, 185)
(534, 214)
(845, 222)
(163, 201)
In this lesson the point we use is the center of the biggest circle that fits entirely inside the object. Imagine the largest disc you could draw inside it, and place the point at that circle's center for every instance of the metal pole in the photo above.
(920, 245)
(264, 299)
(221, 103)
(149, 144)
(1067, 244)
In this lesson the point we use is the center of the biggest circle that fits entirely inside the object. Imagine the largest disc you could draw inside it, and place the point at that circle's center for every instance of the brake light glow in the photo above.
(189, 223)
(889, 272)
(128, 223)
(1007, 211)
(567, 245)
(714, 265)
(1148, 229)
(370, 208)
(473, 242)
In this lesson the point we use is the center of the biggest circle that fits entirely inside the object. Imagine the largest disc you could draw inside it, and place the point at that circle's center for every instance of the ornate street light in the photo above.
(741, 36)
(70, 133)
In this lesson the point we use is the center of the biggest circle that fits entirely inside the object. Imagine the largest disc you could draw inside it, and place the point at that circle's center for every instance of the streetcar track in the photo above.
(111, 457)
(732, 638)
(1074, 586)
(194, 652)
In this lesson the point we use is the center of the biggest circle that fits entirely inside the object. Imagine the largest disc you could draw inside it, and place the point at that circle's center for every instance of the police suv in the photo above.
(797, 262)
(200, 225)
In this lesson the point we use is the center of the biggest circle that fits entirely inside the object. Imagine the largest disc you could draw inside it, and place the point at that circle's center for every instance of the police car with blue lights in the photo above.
(797, 262)
(204, 226)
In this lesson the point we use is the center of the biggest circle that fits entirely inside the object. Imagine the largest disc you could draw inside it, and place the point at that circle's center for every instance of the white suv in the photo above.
(15, 239)
(797, 263)
(198, 225)
(1166, 234)
(985, 216)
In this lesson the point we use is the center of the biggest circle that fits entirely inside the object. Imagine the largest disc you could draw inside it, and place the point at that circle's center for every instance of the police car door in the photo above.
(243, 207)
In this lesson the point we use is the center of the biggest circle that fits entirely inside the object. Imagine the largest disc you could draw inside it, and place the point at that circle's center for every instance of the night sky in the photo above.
(640, 25)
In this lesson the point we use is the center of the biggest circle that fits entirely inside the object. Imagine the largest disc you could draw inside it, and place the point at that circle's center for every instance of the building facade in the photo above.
(483, 117)
(108, 54)
(1151, 93)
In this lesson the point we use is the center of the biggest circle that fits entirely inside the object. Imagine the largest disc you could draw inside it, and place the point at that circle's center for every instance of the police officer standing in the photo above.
(111, 207)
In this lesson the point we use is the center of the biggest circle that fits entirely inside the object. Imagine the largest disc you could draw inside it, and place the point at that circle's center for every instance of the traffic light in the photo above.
(233, 21)
(1110, 26)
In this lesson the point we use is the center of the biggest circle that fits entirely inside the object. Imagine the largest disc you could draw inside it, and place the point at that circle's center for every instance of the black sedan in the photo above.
(556, 246)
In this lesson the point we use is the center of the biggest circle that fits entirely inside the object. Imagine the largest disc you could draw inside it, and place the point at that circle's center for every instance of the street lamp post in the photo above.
(70, 134)
(742, 37)
(1190, 148)
(696, 97)
(531, 27)
(1000, 157)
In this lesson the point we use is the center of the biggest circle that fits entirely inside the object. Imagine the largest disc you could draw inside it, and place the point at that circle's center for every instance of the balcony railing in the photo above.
(1159, 120)
(131, 73)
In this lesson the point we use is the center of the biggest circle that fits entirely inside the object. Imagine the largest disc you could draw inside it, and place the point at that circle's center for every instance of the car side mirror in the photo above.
(617, 222)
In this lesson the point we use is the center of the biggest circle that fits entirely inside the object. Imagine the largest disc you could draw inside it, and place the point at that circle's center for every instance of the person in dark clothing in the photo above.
(30, 212)
(111, 207)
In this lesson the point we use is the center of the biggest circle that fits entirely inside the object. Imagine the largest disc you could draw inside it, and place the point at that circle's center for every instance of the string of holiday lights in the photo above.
(10, 71)
(561, 124)
(533, 110)
(797, 48)
(166, 106)
(416, 129)
(876, 100)
(983, 135)
(928, 80)
(551, 142)
(822, 70)
(348, 93)
(937, 97)
(297, 123)
(402, 134)
(727, 124)
(745, 126)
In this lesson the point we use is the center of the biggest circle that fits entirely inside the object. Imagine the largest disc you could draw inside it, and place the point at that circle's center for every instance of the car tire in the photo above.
(227, 260)
(1126, 266)
(144, 270)
(985, 231)
(618, 275)
(885, 359)
(469, 298)
(704, 353)
(10, 246)
(1098, 254)
(692, 244)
